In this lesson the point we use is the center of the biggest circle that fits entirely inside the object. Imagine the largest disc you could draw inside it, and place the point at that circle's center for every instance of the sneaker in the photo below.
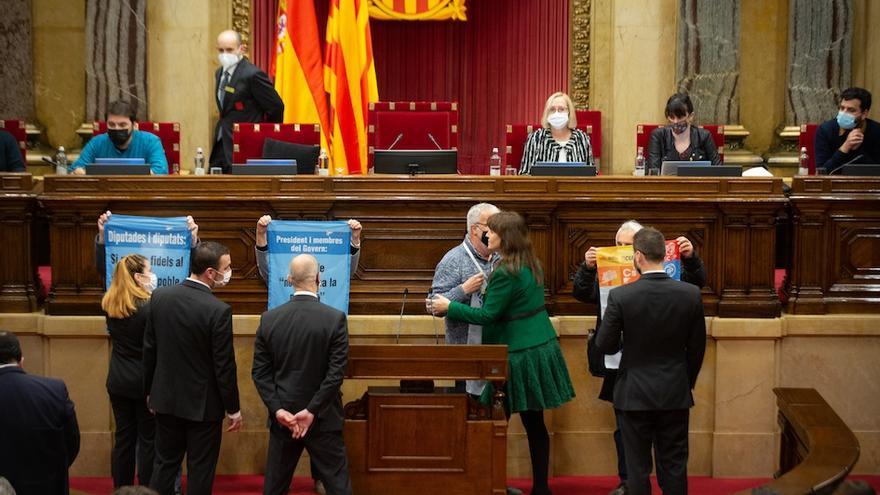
(620, 490)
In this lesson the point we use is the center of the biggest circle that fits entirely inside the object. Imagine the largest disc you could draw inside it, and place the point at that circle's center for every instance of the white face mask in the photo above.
(227, 275)
(558, 120)
(152, 284)
(227, 60)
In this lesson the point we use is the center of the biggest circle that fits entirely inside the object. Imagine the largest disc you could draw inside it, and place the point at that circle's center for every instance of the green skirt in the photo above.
(537, 379)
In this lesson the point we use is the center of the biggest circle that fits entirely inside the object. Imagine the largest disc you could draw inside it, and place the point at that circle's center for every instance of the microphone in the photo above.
(396, 140)
(845, 164)
(435, 141)
(49, 161)
(400, 321)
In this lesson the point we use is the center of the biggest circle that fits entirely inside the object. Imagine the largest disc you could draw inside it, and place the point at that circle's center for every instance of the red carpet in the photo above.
(563, 485)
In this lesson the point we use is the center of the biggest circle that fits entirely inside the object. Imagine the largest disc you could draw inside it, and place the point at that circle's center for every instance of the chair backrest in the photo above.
(589, 121)
(413, 121)
(643, 137)
(18, 131)
(168, 133)
(807, 139)
(248, 138)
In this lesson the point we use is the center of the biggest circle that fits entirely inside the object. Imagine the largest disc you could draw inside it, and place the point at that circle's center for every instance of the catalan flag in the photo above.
(418, 10)
(297, 65)
(350, 80)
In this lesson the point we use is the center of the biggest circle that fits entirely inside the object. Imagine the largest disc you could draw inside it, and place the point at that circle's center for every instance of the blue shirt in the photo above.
(142, 145)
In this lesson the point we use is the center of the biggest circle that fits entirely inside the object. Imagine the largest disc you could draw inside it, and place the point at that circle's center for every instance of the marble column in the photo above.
(819, 58)
(17, 69)
(708, 58)
(116, 55)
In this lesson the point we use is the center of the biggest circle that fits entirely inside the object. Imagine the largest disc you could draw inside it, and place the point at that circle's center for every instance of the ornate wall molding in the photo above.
(580, 52)
(241, 19)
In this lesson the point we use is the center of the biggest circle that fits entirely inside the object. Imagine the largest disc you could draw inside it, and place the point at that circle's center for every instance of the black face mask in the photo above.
(119, 136)
(485, 239)
(679, 127)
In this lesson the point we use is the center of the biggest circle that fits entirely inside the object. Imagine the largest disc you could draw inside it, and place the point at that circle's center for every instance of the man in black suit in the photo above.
(190, 373)
(243, 92)
(663, 332)
(38, 429)
(300, 356)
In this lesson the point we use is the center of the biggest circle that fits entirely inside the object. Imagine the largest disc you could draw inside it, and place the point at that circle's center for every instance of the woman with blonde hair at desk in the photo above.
(558, 139)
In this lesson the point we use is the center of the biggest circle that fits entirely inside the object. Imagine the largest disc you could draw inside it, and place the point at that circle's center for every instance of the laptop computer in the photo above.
(670, 167)
(117, 169)
(709, 170)
(287, 168)
(563, 169)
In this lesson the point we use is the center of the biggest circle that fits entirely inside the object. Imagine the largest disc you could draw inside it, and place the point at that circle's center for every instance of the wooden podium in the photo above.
(402, 441)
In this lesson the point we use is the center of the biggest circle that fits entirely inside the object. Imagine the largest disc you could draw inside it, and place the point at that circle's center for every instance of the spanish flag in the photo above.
(297, 65)
(350, 80)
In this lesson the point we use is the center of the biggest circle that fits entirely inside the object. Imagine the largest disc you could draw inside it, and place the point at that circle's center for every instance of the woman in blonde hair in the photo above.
(127, 306)
(558, 139)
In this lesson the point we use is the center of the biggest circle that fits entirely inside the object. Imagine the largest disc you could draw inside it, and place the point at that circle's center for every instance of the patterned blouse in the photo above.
(541, 147)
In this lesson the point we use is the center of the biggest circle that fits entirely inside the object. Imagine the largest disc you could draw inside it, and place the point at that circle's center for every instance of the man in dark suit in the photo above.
(243, 92)
(38, 429)
(190, 373)
(663, 332)
(300, 356)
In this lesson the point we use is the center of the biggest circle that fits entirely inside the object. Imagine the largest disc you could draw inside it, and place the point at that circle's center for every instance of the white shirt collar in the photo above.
(230, 70)
(8, 365)
(654, 271)
(199, 281)
(305, 293)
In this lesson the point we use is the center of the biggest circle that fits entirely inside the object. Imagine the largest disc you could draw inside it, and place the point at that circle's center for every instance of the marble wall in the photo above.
(17, 69)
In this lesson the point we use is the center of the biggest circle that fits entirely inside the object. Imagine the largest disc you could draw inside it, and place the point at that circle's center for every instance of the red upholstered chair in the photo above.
(807, 139)
(589, 121)
(168, 132)
(643, 137)
(18, 131)
(415, 120)
(248, 138)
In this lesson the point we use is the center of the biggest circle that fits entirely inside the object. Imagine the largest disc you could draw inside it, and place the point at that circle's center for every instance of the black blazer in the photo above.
(661, 147)
(189, 362)
(126, 374)
(38, 432)
(300, 357)
(663, 329)
(253, 99)
(829, 140)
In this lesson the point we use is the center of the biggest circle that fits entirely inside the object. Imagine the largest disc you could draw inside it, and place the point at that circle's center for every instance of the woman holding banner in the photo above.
(126, 304)
(513, 314)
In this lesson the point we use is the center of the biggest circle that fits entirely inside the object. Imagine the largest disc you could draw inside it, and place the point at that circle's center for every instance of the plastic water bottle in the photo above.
(495, 163)
(199, 162)
(323, 163)
(804, 162)
(640, 162)
(61, 162)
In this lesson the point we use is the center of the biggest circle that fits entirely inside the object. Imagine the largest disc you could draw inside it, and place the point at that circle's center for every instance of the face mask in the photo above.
(558, 120)
(227, 60)
(152, 284)
(679, 127)
(118, 136)
(227, 275)
(485, 239)
(846, 120)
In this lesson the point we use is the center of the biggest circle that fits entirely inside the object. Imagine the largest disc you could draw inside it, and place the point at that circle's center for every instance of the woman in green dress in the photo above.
(513, 313)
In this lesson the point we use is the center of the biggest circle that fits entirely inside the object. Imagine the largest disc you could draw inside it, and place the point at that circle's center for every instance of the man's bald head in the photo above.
(229, 41)
(304, 272)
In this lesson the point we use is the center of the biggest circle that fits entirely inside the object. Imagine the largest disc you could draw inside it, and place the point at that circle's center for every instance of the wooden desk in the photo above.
(835, 263)
(404, 442)
(409, 223)
(18, 202)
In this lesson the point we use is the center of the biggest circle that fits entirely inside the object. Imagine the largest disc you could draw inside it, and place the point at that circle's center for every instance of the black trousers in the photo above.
(199, 441)
(329, 461)
(667, 431)
(618, 444)
(135, 429)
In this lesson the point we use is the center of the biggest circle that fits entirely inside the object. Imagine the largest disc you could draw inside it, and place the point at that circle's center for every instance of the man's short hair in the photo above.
(473, 215)
(10, 348)
(206, 255)
(651, 243)
(861, 94)
(122, 107)
(306, 273)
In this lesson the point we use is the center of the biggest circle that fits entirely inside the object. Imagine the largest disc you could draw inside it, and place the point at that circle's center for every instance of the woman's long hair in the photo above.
(124, 294)
(516, 248)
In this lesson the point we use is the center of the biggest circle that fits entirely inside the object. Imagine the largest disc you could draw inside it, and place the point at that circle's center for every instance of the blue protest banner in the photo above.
(329, 242)
(165, 242)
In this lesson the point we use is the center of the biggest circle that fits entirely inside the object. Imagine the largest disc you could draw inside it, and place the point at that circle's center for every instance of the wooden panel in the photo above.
(17, 206)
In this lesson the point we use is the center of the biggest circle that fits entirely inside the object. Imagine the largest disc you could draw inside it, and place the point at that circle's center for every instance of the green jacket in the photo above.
(508, 296)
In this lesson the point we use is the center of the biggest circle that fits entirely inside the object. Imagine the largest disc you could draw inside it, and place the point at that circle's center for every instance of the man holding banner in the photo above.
(586, 289)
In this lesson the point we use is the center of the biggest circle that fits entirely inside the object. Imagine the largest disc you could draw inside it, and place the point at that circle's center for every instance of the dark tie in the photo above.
(221, 90)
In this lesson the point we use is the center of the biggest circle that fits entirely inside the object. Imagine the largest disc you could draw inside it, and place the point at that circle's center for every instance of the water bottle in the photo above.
(199, 162)
(495, 163)
(640, 162)
(804, 162)
(61, 161)
(323, 163)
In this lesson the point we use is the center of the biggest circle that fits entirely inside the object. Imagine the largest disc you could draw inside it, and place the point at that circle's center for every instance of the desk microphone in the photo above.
(435, 141)
(845, 164)
(400, 321)
(396, 140)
